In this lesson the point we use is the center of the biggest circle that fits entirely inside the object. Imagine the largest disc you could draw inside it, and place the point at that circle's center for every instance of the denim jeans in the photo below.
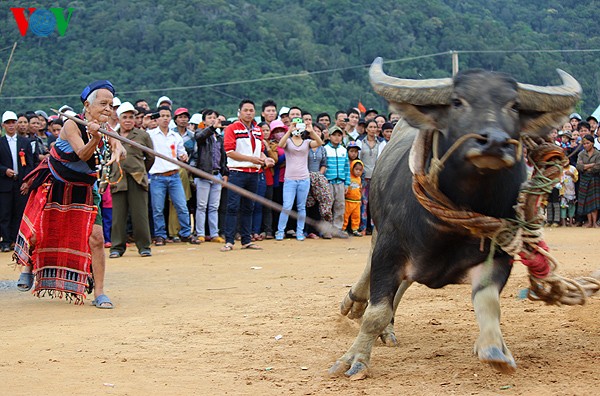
(208, 195)
(294, 189)
(236, 203)
(160, 186)
(258, 208)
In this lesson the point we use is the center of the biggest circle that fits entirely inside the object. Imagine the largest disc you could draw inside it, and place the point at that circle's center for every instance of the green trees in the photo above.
(232, 49)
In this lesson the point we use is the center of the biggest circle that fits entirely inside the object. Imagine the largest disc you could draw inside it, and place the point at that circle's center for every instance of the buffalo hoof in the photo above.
(338, 368)
(388, 337)
(353, 307)
(357, 371)
(496, 358)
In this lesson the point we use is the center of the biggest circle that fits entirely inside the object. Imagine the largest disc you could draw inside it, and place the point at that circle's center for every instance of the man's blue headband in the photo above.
(100, 84)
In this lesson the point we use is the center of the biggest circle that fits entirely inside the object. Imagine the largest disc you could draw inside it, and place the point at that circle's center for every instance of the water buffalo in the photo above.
(483, 175)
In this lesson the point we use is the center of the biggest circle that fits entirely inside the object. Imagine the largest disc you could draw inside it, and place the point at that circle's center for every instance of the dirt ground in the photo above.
(193, 321)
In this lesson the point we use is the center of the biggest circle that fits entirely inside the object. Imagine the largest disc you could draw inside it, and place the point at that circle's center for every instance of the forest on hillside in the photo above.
(309, 53)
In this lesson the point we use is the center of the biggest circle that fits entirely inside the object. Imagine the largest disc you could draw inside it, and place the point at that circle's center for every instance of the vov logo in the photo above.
(42, 22)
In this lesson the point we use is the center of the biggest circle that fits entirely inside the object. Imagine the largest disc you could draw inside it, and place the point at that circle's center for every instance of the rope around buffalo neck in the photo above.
(521, 237)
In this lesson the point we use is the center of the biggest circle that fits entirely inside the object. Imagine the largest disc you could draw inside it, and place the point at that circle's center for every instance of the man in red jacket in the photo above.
(244, 147)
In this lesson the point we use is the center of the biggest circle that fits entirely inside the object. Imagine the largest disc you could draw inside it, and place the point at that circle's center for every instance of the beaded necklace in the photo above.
(102, 156)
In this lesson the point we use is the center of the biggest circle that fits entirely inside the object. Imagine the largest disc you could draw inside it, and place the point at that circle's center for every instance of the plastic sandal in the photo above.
(25, 281)
(102, 299)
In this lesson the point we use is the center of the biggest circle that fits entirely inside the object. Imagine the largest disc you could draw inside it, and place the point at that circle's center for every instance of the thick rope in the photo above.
(521, 237)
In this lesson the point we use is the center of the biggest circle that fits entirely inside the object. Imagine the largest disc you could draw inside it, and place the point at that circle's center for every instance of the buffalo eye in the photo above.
(457, 103)
(516, 107)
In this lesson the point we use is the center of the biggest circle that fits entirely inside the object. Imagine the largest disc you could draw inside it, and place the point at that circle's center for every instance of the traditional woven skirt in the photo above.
(59, 216)
(588, 198)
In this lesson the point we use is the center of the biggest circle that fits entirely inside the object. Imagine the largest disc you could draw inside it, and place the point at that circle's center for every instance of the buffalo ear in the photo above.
(539, 123)
(423, 117)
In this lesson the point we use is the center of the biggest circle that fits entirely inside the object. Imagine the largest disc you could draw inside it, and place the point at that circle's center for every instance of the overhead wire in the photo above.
(301, 74)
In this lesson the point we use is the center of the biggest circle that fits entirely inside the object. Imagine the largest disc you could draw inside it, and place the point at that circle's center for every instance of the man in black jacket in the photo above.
(16, 161)
(211, 159)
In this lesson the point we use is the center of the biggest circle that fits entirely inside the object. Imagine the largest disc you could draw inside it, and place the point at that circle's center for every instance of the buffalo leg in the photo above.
(487, 284)
(357, 299)
(388, 336)
(378, 315)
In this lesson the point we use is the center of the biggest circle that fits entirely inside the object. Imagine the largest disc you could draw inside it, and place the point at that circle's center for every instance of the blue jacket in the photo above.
(338, 168)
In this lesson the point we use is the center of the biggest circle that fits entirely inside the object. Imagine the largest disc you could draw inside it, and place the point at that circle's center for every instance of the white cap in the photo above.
(125, 107)
(196, 118)
(9, 115)
(69, 112)
(163, 99)
(116, 102)
(284, 110)
(65, 108)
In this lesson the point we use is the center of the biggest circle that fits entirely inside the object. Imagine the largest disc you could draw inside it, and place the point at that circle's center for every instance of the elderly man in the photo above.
(64, 197)
(16, 161)
(129, 188)
(164, 177)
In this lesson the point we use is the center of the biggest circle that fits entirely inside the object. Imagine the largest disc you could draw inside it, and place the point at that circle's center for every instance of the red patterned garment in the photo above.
(54, 234)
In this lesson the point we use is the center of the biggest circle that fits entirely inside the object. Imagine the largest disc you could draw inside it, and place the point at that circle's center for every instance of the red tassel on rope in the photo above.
(536, 262)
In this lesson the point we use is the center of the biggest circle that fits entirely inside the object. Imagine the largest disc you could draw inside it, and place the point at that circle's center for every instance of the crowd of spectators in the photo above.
(575, 200)
(319, 165)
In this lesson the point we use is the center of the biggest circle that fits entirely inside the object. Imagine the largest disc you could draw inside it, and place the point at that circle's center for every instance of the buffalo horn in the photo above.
(553, 98)
(438, 91)
(416, 92)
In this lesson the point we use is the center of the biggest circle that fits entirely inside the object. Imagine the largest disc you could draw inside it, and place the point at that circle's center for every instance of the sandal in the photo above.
(191, 239)
(114, 254)
(25, 281)
(227, 248)
(101, 300)
(160, 241)
(251, 246)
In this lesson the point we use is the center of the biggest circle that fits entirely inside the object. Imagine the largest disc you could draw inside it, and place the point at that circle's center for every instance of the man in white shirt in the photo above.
(16, 161)
(164, 178)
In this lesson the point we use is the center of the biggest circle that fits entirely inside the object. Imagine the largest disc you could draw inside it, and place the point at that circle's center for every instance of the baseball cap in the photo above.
(335, 129)
(180, 111)
(591, 118)
(125, 107)
(196, 118)
(9, 115)
(362, 121)
(284, 110)
(65, 108)
(116, 102)
(163, 99)
(41, 113)
(352, 144)
(575, 115)
(70, 113)
(387, 125)
(371, 111)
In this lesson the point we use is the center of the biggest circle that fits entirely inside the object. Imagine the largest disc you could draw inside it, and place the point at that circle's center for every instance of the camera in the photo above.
(225, 123)
(346, 119)
(155, 116)
(300, 125)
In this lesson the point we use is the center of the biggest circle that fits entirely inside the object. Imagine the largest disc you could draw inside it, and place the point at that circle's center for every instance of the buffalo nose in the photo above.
(494, 140)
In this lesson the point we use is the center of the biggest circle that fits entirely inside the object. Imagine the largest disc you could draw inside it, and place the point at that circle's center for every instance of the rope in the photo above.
(521, 237)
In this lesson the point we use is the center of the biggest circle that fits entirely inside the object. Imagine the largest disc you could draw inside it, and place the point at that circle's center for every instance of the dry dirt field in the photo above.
(193, 321)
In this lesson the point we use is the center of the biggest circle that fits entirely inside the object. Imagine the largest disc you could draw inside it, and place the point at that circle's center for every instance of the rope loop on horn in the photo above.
(520, 237)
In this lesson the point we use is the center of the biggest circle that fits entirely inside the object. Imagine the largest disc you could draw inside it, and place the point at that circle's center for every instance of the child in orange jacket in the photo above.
(353, 197)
